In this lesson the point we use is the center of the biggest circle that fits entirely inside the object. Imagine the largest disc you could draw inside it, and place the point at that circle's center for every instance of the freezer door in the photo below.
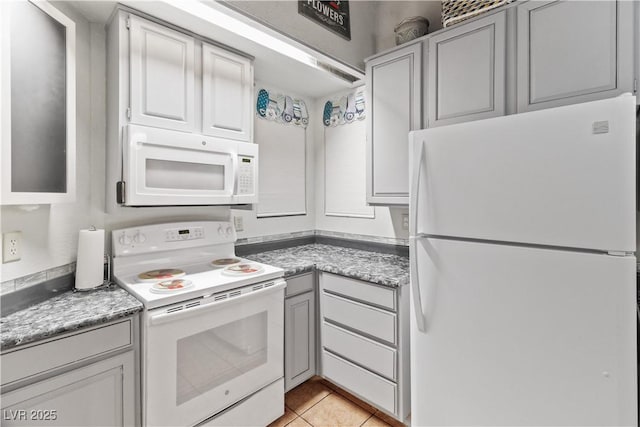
(559, 177)
(521, 336)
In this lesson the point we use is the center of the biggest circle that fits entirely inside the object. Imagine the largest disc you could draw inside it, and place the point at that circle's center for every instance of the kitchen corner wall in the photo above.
(269, 226)
(387, 222)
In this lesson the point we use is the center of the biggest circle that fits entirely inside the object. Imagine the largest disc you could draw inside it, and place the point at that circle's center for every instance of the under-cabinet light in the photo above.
(240, 28)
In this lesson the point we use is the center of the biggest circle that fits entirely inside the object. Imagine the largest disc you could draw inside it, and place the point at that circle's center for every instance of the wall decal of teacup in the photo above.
(350, 110)
(262, 102)
(359, 105)
(287, 111)
(304, 113)
(326, 113)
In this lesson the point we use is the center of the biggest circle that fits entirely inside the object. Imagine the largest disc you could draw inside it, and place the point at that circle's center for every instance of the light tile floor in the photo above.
(319, 403)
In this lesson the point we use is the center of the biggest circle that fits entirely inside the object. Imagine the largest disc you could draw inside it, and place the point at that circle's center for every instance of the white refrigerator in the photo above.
(523, 269)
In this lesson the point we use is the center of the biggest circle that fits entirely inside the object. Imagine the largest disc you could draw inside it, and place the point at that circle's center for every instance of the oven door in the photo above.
(198, 360)
(169, 168)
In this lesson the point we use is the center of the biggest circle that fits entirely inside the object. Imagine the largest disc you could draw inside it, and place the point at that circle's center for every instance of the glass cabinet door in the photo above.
(38, 104)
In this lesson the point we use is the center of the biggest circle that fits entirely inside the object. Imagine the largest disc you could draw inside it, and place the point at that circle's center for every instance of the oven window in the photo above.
(211, 358)
(183, 175)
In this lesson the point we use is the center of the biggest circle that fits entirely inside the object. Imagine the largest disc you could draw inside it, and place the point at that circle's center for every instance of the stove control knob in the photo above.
(220, 231)
(125, 239)
(229, 231)
(139, 238)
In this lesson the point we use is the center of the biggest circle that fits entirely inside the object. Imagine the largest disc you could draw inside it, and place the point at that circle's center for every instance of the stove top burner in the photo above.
(168, 286)
(157, 275)
(244, 269)
(225, 261)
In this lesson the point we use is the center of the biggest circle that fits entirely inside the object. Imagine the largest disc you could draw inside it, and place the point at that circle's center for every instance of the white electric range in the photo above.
(212, 325)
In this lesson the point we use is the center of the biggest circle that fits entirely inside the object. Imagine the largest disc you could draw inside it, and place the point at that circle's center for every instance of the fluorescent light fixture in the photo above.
(230, 23)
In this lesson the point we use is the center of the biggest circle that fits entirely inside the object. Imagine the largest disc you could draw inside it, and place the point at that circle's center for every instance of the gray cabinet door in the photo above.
(394, 96)
(573, 51)
(467, 71)
(101, 394)
(299, 339)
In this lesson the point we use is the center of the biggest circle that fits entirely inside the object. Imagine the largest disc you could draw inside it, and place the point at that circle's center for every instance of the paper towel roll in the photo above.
(90, 263)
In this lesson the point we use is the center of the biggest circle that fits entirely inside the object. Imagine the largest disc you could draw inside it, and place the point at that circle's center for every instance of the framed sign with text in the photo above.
(333, 14)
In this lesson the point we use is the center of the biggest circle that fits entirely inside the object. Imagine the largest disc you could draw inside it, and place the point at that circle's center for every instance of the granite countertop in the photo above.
(383, 269)
(66, 312)
(70, 311)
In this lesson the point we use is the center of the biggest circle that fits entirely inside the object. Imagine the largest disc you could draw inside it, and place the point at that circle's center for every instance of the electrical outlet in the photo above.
(11, 246)
(405, 221)
(238, 223)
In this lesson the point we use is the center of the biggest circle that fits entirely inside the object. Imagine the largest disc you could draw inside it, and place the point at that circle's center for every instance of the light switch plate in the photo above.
(405, 221)
(238, 223)
(11, 246)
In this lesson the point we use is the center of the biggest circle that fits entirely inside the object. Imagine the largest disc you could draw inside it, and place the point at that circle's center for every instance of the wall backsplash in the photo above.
(12, 285)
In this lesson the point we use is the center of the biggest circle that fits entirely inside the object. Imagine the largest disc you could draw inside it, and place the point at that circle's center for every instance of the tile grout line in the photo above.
(308, 409)
(365, 421)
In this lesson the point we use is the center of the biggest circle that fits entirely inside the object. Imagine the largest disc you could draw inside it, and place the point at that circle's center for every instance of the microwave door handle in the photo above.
(158, 319)
(235, 165)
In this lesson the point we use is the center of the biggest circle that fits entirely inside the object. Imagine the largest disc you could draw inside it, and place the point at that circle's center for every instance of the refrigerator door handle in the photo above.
(415, 284)
(415, 183)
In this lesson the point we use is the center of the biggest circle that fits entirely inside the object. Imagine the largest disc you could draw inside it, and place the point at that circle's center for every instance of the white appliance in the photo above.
(212, 325)
(168, 168)
(523, 287)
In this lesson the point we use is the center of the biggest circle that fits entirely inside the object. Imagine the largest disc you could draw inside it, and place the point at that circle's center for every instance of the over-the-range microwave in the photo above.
(168, 168)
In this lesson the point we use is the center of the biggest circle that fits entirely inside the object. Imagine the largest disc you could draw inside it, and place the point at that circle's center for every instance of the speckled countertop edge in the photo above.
(72, 311)
(66, 312)
(383, 269)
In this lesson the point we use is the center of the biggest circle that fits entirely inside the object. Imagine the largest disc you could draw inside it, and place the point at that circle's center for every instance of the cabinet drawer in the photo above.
(40, 358)
(299, 284)
(362, 291)
(370, 386)
(370, 320)
(372, 355)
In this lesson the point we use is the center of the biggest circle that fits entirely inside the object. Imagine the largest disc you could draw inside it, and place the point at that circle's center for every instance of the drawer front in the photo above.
(357, 380)
(299, 284)
(53, 354)
(370, 320)
(365, 352)
(362, 291)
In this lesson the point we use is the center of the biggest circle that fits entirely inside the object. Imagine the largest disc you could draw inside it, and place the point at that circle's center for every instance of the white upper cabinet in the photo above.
(573, 51)
(227, 84)
(162, 76)
(394, 83)
(467, 71)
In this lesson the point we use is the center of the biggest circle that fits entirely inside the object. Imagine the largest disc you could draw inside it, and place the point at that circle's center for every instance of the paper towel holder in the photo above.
(105, 260)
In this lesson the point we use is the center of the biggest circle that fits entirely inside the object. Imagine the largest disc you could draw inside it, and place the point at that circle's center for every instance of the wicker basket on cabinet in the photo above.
(454, 11)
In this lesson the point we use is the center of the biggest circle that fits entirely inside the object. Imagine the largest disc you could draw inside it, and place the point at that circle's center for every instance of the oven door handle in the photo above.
(211, 304)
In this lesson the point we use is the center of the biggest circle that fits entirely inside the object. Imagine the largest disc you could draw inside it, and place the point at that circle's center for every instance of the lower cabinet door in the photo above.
(101, 394)
(299, 339)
